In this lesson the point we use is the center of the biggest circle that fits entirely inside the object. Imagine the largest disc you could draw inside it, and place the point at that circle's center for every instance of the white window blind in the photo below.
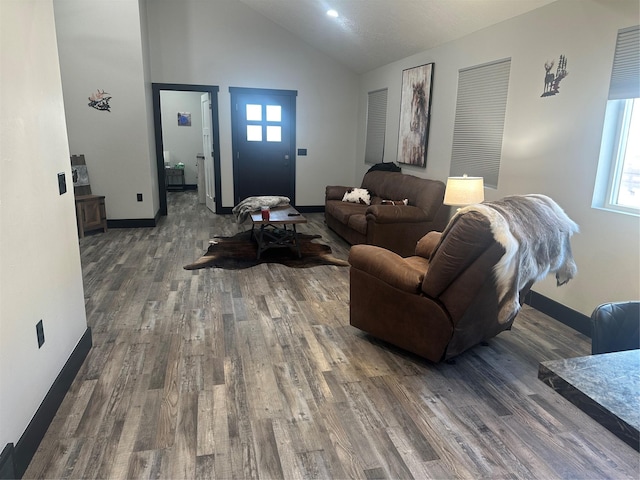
(625, 75)
(376, 126)
(479, 121)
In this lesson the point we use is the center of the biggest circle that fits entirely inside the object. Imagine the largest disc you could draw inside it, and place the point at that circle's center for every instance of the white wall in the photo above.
(227, 44)
(148, 100)
(39, 256)
(551, 145)
(101, 46)
(183, 143)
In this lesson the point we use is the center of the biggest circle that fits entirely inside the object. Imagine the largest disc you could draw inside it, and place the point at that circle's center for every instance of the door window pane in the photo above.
(274, 134)
(274, 113)
(254, 133)
(254, 112)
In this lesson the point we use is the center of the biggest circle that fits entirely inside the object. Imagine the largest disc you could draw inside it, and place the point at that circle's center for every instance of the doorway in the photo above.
(263, 124)
(211, 169)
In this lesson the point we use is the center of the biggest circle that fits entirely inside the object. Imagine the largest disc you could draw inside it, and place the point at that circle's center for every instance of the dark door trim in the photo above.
(157, 124)
(234, 91)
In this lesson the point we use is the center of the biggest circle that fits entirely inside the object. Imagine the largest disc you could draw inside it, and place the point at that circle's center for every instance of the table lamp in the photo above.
(463, 191)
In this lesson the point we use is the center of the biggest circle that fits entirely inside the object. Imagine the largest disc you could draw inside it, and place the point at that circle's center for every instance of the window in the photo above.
(479, 121)
(376, 126)
(618, 178)
(256, 125)
(624, 184)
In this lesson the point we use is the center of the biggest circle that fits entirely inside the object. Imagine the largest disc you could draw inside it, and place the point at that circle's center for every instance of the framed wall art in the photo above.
(415, 113)
(100, 101)
(184, 119)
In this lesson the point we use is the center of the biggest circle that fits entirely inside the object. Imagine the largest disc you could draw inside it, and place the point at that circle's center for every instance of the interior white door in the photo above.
(207, 147)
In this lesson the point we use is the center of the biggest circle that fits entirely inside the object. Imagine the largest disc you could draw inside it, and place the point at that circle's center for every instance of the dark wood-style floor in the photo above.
(257, 374)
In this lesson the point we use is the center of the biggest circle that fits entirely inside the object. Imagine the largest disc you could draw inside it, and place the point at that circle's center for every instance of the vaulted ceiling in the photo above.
(370, 33)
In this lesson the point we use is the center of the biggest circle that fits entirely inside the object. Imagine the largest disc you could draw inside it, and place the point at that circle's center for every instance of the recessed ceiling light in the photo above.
(332, 13)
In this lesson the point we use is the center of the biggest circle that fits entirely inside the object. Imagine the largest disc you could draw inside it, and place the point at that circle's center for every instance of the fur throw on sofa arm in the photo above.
(535, 233)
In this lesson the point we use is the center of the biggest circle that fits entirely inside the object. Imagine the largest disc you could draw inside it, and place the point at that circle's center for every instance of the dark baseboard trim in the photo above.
(132, 223)
(7, 465)
(152, 222)
(559, 312)
(33, 435)
(182, 188)
(310, 209)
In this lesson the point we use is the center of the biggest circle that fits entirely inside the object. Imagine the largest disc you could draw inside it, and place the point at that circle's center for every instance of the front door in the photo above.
(263, 123)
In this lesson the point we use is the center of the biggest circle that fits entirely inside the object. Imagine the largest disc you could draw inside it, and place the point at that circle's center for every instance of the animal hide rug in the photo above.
(536, 233)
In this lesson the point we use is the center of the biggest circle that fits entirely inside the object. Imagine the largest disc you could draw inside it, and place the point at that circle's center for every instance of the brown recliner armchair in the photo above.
(462, 286)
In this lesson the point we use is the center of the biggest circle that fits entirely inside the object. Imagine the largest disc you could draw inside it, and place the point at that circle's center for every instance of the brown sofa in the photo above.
(395, 227)
(459, 288)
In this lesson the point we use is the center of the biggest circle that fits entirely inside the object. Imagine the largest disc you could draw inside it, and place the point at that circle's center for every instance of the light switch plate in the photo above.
(62, 183)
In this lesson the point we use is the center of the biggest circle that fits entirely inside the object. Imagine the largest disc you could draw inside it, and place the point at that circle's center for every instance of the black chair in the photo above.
(615, 327)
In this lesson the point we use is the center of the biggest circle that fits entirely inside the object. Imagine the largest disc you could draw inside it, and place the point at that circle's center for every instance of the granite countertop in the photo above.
(605, 386)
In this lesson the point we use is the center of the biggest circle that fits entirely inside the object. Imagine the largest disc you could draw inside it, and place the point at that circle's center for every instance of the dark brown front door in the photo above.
(263, 124)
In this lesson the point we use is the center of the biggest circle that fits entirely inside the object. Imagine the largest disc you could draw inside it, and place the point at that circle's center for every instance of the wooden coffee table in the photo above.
(279, 231)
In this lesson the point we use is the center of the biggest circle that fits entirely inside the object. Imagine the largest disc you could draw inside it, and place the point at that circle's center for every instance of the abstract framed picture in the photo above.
(415, 114)
(184, 119)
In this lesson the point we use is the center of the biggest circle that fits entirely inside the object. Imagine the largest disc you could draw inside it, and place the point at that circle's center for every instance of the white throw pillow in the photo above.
(357, 195)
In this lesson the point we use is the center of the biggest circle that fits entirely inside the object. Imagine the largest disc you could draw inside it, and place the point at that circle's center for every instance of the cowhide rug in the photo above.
(240, 251)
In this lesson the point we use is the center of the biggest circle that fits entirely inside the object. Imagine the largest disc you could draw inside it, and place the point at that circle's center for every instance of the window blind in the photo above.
(625, 75)
(376, 126)
(479, 121)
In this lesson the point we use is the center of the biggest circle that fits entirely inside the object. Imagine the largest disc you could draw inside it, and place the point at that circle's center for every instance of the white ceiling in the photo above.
(372, 33)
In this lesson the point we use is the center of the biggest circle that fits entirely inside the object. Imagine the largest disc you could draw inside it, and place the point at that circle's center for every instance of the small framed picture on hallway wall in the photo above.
(184, 119)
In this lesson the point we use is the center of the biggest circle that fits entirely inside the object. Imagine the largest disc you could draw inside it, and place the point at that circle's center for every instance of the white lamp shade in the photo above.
(464, 190)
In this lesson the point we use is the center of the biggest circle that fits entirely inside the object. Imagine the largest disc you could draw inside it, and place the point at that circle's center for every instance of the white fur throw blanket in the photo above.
(535, 233)
(252, 204)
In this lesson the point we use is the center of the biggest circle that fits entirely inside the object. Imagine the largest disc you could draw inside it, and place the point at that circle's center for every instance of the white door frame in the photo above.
(208, 151)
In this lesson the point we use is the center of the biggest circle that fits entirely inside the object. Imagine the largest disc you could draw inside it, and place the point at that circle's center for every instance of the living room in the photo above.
(546, 141)
(551, 145)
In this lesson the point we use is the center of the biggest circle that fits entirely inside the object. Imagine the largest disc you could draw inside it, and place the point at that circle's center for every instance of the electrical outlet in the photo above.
(139, 195)
(40, 333)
